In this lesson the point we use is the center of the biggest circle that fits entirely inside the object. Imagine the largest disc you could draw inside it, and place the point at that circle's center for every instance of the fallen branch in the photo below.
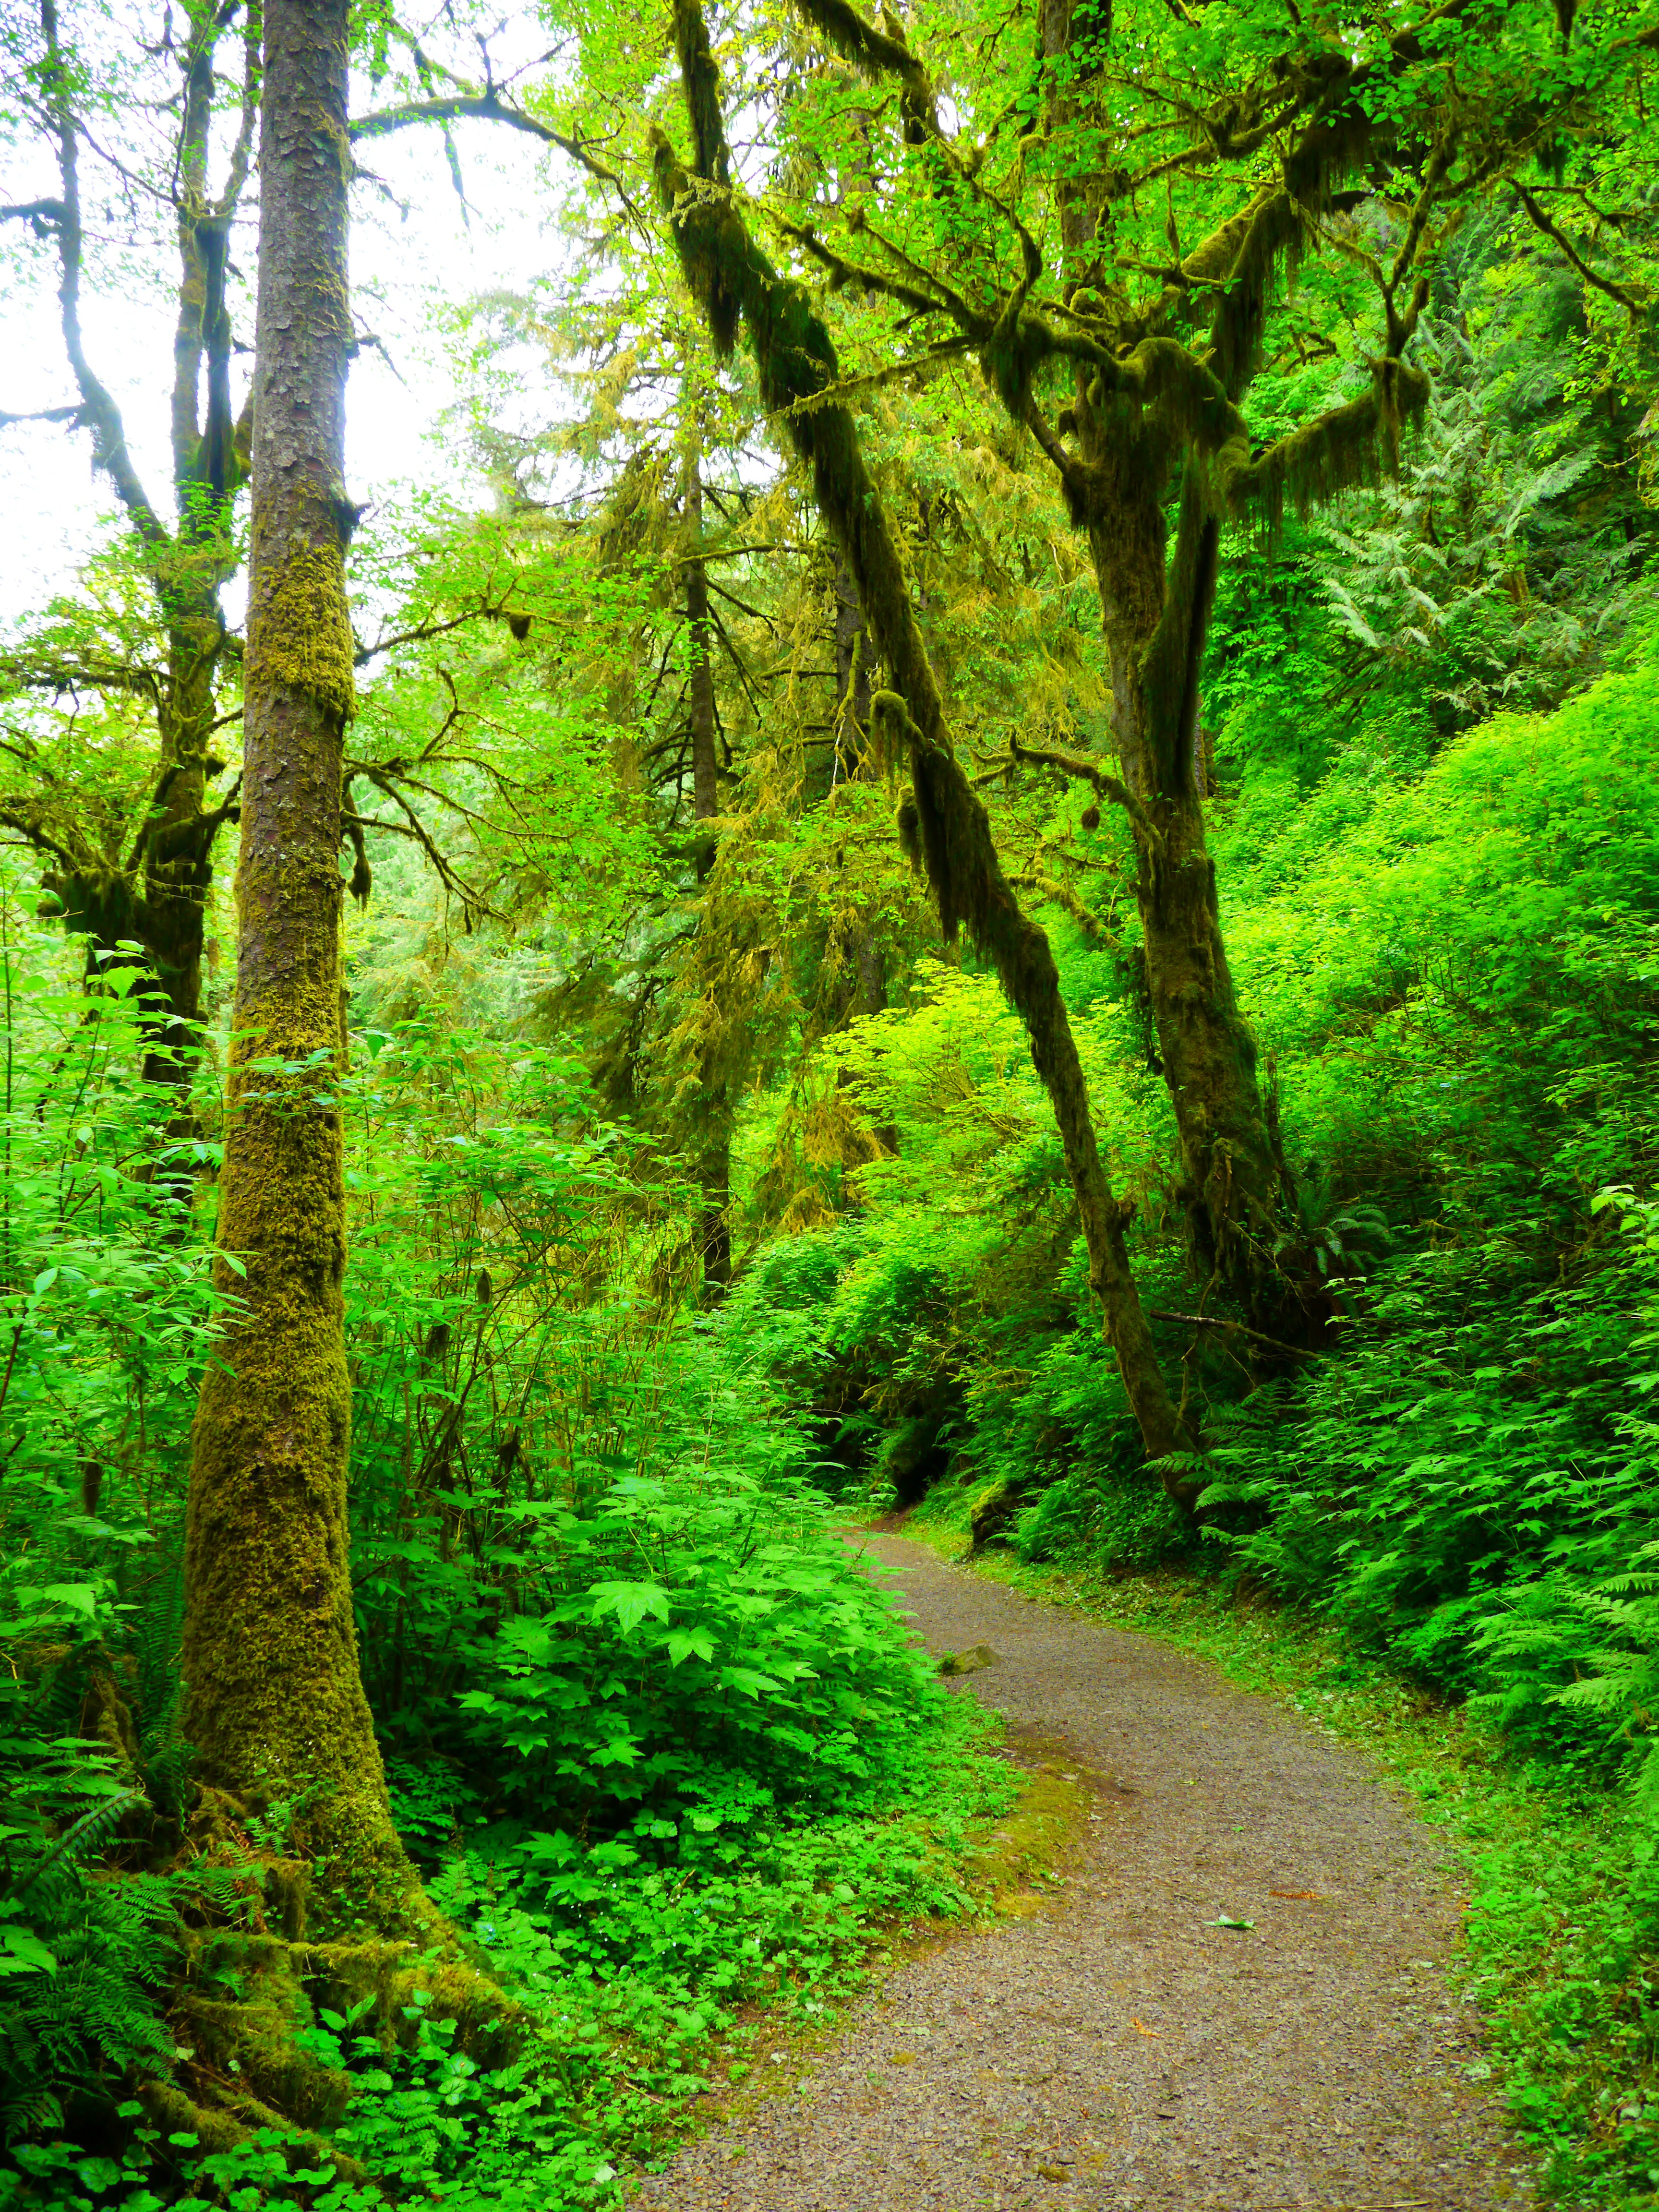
(1273, 1343)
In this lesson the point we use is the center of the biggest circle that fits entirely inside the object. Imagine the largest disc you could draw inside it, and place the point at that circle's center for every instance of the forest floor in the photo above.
(1129, 2044)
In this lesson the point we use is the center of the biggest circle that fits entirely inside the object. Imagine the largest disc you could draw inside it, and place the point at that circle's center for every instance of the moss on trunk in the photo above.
(1236, 1186)
(276, 1703)
(736, 282)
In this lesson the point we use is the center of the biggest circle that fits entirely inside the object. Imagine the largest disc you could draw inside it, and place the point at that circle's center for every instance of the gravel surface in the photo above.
(1115, 2051)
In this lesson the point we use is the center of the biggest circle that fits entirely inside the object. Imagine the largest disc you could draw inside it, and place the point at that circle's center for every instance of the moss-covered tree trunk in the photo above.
(714, 1106)
(1234, 1184)
(699, 653)
(276, 1709)
(944, 822)
(153, 892)
(1157, 611)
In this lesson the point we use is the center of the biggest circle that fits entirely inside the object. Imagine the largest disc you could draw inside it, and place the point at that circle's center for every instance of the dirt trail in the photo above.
(1115, 2051)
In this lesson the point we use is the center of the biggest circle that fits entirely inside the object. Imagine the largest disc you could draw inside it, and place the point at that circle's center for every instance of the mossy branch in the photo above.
(1635, 302)
(875, 53)
(796, 361)
(1062, 895)
(490, 107)
(1089, 771)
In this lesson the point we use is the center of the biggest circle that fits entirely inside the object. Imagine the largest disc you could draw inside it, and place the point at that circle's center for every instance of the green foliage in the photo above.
(656, 1744)
(658, 1739)
(106, 1313)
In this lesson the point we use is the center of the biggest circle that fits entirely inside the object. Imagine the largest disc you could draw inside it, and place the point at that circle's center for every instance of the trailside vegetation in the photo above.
(985, 846)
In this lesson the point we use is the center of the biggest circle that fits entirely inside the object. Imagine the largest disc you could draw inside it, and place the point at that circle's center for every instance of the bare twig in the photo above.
(489, 108)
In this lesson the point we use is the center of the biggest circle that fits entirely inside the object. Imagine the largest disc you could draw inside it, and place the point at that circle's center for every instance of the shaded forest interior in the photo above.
(982, 841)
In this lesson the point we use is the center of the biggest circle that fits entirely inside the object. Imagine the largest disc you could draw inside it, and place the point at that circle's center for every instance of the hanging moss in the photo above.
(1349, 445)
(702, 99)
(796, 361)
(876, 52)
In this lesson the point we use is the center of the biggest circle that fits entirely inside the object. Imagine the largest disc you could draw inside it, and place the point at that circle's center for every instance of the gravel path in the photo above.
(1114, 2051)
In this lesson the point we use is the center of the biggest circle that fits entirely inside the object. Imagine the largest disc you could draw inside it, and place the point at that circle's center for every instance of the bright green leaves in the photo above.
(686, 1643)
(629, 1603)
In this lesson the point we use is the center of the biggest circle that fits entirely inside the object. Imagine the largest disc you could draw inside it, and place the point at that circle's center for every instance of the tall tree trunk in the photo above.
(852, 674)
(714, 1107)
(947, 825)
(700, 680)
(1236, 1188)
(1156, 616)
(276, 1709)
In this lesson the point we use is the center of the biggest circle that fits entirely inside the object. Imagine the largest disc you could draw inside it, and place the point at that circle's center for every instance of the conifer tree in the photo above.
(276, 1709)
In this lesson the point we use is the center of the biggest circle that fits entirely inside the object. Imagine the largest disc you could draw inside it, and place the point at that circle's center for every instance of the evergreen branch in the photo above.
(742, 606)
(736, 658)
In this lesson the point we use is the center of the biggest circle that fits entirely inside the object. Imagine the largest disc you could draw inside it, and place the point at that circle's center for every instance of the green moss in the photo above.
(305, 629)
(735, 281)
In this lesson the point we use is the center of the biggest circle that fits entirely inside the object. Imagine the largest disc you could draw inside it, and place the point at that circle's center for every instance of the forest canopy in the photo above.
(975, 836)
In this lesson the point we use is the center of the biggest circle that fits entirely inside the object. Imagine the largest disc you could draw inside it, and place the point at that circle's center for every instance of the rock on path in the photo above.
(1116, 2052)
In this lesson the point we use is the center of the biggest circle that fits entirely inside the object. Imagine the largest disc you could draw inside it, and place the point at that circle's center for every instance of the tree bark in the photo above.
(276, 1709)
(699, 678)
(1236, 1188)
(1156, 616)
(947, 826)
(157, 898)
(852, 675)
(714, 1106)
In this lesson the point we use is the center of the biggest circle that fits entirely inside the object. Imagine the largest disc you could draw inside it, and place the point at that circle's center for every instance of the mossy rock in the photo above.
(994, 1509)
(968, 1662)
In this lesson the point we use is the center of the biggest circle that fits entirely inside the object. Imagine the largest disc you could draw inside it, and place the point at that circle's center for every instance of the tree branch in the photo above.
(1109, 786)
(489, 108)
(1632, 302)
(110, 441)
(75, 416)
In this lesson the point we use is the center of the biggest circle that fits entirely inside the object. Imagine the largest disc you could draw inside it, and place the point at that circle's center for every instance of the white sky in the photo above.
(401, 275)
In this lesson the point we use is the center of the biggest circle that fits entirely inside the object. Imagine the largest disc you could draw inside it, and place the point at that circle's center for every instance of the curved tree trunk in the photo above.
(1156, 613)
(276, 1709)
(1235, 1187)
(947, 826)
(714, 1105)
